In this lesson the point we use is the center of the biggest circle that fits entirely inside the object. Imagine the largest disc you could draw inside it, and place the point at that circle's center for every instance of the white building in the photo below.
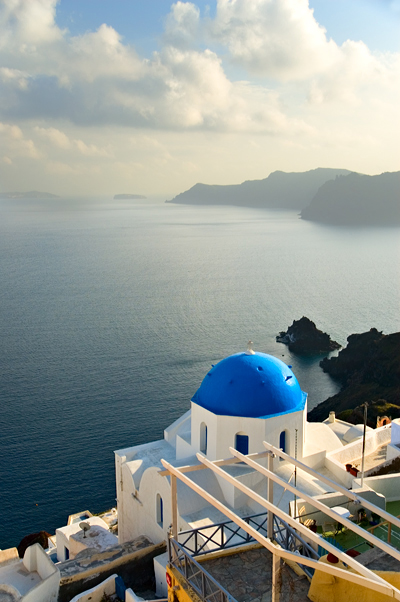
(32, 579)
(244, 400)
(72, 538)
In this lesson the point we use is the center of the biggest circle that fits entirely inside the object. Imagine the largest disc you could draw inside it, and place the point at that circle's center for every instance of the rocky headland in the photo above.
(279, 190)
(357, 200)
(303, 337)
(368, 370)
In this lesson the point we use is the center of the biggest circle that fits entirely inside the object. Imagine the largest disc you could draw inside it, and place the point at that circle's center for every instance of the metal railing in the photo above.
(221, 536)
(290, 540)
(205, 586)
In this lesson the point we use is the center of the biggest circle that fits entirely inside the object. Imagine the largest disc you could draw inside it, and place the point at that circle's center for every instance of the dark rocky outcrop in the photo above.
(369, 370)
(279, 191)
(376, 409)
(357, 200)
(304, 337)
(29, 540)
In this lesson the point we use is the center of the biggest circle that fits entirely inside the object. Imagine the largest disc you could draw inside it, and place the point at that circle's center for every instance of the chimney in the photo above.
(331, 416)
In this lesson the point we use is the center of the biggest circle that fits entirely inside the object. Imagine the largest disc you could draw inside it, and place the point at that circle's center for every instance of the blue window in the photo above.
(203, 438)
(242, 443)
(282, 441)
(159, 510)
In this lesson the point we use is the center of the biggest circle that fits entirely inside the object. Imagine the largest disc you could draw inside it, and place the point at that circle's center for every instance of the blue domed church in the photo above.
(245, 399)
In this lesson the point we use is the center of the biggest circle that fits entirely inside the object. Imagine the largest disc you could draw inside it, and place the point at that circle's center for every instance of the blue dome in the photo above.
(252, 386)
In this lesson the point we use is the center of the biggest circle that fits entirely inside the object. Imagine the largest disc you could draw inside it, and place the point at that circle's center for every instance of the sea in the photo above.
(112, 312)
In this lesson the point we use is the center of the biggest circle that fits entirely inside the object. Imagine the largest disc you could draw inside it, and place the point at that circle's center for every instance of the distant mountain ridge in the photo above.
(357, 199)
(280, 190)
(31, 194)
(119, 197)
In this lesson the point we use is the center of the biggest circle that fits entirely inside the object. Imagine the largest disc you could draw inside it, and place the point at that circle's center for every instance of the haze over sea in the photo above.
(113, 311)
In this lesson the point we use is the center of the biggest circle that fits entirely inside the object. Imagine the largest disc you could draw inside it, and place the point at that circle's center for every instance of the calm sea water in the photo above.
(112, 312)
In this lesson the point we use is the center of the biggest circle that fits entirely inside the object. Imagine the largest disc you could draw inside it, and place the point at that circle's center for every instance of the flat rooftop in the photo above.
(16, 575)
(247, 577)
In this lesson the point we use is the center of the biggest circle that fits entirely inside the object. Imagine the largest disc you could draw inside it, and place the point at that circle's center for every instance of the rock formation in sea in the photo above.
(304, 337)
(357, 200)
(369, 371)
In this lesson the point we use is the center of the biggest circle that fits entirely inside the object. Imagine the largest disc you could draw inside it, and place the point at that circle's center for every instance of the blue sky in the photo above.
(141, 22)
(98, 96)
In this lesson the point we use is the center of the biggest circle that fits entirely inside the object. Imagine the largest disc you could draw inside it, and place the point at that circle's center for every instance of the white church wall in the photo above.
(141, 518)
(184, 449)
(221, 431)
(182, 424)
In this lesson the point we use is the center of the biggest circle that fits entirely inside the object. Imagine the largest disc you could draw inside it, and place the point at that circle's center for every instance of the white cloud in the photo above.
(182, 25)
(56, 137)
(14, 144)
(276, 38)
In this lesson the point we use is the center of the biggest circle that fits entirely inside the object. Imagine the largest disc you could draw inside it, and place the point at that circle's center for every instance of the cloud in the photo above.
(182, 25)
(264, 69)
(14, 144)
(276, 38)
(56, 137)
(94, 79)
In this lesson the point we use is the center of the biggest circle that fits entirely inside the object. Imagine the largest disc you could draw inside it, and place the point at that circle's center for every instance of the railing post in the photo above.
(276, 577)
(174, 507)
(270, 498)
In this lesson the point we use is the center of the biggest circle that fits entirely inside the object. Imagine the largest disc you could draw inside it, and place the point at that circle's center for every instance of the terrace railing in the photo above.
(290, 540)
(225, 535)
(221, 536)
(205, 586)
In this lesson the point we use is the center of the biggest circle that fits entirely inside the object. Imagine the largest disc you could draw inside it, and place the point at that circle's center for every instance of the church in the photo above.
(245, 399)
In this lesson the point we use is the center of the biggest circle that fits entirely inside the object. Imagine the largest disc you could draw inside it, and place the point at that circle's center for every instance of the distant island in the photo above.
(357, 199)
(303, 337)
(279, 190)
(368, 370)
(122, 197)
(32, 194)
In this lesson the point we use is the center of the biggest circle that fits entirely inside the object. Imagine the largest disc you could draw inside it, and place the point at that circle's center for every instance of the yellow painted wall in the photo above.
(179, 590)
(327, 588)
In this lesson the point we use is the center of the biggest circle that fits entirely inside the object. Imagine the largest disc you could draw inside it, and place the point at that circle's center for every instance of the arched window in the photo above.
(242, 443)
(159, 510)
(203, 438)
(283, 443)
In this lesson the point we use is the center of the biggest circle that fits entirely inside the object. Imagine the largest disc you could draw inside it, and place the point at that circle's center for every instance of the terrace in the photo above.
(222, 562)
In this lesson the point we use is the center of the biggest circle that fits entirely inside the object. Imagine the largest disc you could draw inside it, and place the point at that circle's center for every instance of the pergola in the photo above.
(363, 576)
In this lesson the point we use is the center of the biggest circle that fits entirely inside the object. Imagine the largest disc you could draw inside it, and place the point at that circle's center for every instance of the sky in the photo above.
(152, 96)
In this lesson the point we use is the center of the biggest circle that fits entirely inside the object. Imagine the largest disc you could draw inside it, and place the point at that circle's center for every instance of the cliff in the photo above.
(305, 338)
(280, 190)
(357, 199)
(369, 370)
